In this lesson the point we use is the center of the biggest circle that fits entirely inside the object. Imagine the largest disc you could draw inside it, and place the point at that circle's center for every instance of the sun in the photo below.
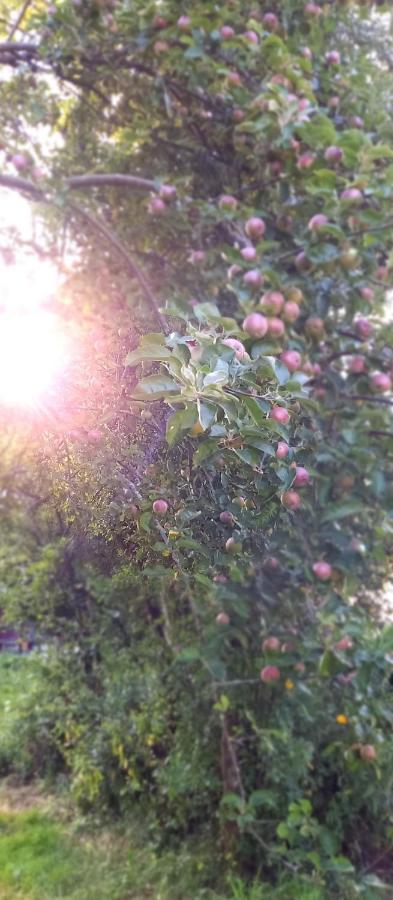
(33, 355)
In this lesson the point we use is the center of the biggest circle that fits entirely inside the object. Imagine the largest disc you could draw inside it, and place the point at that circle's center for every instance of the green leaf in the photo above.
(341, 511)
(220, 374)
(329, 665)
(207, 413)
(248, 455)
(256, 412)
(180, 421)
(319, 132)
(155, 387)
(206, 448)
(152, 346)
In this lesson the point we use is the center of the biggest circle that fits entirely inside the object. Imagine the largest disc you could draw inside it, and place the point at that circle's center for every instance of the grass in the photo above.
(48, 852)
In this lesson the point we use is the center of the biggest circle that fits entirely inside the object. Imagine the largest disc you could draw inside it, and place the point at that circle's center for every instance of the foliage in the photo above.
(219, 659)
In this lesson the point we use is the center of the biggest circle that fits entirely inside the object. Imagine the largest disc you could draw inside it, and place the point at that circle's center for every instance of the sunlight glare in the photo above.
(33, 353)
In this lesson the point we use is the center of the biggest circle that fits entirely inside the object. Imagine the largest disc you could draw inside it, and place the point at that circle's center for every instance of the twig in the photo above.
(19, 19)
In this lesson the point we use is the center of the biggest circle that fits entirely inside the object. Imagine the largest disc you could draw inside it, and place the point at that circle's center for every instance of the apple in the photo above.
(156, 206)
(270, 674)
(356, 122)
(234, 78)
(248, 253)
(291, 311)
(363, 328)
(318, 221)
(302, 263)
(255, 228)
(291, 500)
(306, 53)
(271, 564)
(314, 327)
(20, 161)
(294, 294)
(251, 36)
(253, 278)
(168, 192)
(227, 518)
(159, 22)
(312, 10)
(232, 546)
(160, 507)
(222, 618)
(227, 201)
(232, 271)
(271, 645)
(161, 47)
(184, 23)
(276, 328)
(220, 579)
(382, 273)
(349, 258)
(302, 477)
(291, 359)
(345, 643)
(333, 154)
(367, 293)
(227, 32)
(305, 161)
(300, 667)
(357, 365)
(237, 346)
(368, 752)
(282, 450)
(322, 570)
(270, 21)
(272, 302)
(380, 382)
(255, 325)
(238, 114)
(333, 58)
(279, 414)
(275, 167)
(351, 195)
(196, 257)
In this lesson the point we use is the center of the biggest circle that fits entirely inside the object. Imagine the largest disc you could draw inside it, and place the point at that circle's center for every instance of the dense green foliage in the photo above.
(268, 168)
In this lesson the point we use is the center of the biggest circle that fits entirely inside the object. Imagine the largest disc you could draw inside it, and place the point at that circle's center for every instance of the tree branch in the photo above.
(80, 182)
(19, 19)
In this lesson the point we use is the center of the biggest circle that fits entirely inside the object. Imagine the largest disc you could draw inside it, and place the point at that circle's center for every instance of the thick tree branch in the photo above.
(80, 182)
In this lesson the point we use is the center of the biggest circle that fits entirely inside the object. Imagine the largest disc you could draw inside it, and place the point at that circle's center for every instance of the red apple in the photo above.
(279, 414)
(248, 253)
(276, 328)
(251, 36)
(270, 674)
(318, 221)
(282, 450)
(160, 507)
(253, 278)
(227, 32)
(363, 327)
(184, 23)
(255, 325)
(226, 518)
(156, 206)
(237, 346)
(272, 302)
(94, 436)
(255, 228)
(305, 160)
(271, 645)
(20, 161)
(291, 500)
(291, 359)
(222, 618)
(333, 154)
(234, 78)
(227, 201)
(302, 477)
(356, 122)
(345, 643)
(271, 564)
(270, 21)
(322, 570)
(351, 195)
(333, 58)
(306, 53)
(314, 327)
(367, 293)
(168, 192)
(357, 365)
(291, 311)
(368, 752)
(232, 546)
(161, 47)
(380, 382)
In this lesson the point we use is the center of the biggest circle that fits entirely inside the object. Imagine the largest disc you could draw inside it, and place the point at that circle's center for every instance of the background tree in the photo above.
(209, 510)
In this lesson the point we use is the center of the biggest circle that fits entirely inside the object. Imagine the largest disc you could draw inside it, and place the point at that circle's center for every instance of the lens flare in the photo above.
(33, 355)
